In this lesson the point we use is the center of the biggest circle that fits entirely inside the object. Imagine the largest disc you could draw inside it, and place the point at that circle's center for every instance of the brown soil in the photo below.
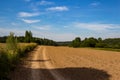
(64, 63)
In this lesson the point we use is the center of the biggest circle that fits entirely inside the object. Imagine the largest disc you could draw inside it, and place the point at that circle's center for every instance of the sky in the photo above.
(61, 20)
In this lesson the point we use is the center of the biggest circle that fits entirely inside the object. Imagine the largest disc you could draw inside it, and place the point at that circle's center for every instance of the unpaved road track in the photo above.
(63, 63)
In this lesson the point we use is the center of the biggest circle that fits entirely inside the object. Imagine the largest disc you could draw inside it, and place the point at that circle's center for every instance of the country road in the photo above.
(63, 63)
(31, 69)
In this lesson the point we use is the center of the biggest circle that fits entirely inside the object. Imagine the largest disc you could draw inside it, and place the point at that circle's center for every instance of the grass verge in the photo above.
(108, 49)
(9, 61)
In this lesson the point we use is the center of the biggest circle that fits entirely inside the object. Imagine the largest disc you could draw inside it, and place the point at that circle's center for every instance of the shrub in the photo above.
(76, 42)
(11, 46)
(10, 56)
(100, 45)
(4, 65)
(26, 48)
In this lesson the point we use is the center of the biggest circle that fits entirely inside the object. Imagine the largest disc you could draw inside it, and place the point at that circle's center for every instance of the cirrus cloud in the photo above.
(30, 21)
(95, 26)
(43, 2)
(27, 14)
(58, 8)
(44, 27)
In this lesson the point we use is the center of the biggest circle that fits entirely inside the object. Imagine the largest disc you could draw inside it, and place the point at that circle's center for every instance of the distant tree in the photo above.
(92, 42)
(112, 43)
(28, 36)
(21, 39)
(100, 43)
(89, 42)
(3, 39)
(76, 42)
(99, 40)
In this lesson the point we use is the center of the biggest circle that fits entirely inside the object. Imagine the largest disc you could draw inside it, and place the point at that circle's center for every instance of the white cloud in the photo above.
(95, 26)
(44, 27)
(63, 36)
(55, 36)
(30, 21)
(27, 14)
(58, 8)
(43, 2)
(58, 36)
(5, 31)
(40, 34)
(95, 4)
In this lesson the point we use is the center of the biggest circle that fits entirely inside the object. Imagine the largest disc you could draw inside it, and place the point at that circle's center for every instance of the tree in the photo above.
(99, 39)
(89, 42)
(76, 42)
(11, 43)
(28, 36)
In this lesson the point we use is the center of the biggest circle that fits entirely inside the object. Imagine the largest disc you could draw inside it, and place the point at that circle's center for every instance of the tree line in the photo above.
(77, 42)
(28, 38)
(93, 42)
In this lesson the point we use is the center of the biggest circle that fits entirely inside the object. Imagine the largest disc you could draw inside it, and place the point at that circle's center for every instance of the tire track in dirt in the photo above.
(46, 64)
(49, 66)
(35, 65)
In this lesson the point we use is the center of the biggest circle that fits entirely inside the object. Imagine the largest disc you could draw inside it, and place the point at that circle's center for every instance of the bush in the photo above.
(9, 61)
(4, 65)
(11, 46)
(10, 56)
(100, 45)
(26, 48)
(76, 42)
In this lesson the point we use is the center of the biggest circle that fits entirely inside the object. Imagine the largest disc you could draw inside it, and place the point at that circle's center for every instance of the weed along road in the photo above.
(64, 63)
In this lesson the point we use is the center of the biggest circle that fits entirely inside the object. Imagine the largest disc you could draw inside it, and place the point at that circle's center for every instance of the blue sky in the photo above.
(61, 20)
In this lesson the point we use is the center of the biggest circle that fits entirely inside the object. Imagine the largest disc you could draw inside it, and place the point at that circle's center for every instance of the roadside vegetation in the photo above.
(13, 48)
(10, 54)
(28, 38)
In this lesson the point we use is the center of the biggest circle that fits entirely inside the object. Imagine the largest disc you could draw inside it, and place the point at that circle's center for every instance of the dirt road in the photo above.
(63, 63)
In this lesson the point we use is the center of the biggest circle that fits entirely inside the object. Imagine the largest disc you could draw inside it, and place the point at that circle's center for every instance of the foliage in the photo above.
(44, 41)
(89, 42)
(11, 53)
(28, 36)
(99, 43)
(4, 65)
(8, 56)
(11, 44)
(65, 43)
(112, 43)
(24, 48)
(3, 39)
(76, 42)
